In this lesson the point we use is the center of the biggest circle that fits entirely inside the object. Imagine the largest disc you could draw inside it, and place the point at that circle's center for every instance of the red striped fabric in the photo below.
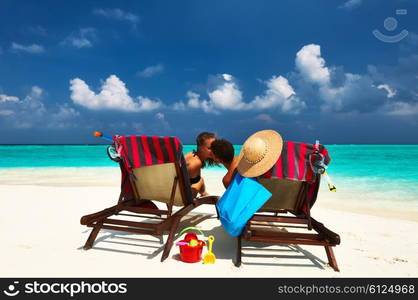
(279, 167)
(141, 151)
(176, 142)
(135, 153)
(301, 161)
(169, 148)
(293, 163)
(159, 152)
(290, 160)
(147, 153)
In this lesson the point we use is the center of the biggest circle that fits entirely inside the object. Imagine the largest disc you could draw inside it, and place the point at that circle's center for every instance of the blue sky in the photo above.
(308, 69)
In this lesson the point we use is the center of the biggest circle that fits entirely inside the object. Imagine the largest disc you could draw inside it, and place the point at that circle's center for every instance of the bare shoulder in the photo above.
(188, 155)
(193, 162)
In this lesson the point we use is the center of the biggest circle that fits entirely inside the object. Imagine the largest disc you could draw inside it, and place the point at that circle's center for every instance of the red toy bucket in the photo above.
(191, 253)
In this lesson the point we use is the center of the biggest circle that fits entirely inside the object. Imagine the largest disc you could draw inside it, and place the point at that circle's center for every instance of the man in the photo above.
(196, 160)
(223, 152)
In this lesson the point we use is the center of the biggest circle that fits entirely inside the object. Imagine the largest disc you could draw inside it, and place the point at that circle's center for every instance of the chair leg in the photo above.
(92, 237)
(217, 212)
(170, 238)
(331, 258)
(239, 252)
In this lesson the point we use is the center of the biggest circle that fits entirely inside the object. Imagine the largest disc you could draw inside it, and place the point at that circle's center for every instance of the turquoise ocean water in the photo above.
(380, 172)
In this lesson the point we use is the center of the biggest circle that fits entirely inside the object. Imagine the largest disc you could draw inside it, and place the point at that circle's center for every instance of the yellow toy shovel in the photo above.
(209, 257)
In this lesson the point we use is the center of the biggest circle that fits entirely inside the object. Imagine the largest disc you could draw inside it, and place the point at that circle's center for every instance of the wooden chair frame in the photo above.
(285, 219)
(167, 220)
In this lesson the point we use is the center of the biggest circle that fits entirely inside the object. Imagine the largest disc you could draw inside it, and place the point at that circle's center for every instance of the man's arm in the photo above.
(228, 178)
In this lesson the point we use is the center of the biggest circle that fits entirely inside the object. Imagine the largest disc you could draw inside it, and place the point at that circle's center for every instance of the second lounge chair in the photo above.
(294, 187)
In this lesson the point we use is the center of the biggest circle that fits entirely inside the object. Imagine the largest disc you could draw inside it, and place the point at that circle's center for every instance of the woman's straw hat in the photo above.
(259, 153)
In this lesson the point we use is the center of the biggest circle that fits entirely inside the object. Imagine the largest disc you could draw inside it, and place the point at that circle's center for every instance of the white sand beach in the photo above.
(41, 236)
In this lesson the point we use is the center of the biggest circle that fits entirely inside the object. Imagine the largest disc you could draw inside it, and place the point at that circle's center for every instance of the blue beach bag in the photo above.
(240, 202)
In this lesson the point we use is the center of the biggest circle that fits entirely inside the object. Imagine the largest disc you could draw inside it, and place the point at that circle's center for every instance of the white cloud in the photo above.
(265, 118)
(333, 97)
(338, 91)
(151, 71)
(161, 117)
(34, 48)
(401, 108)
(227, 95)
(81, 39)
(4, 98)
(356, 93)
(113, 95)
(227, 77)
(24, 113)
(279, 94)
(280, 86)
(351, 4)
(65, 117)
(81, 43)
(386, 87)
(6, 112)
(33, 101)
(145, 104)
(179, 106)
(195, 102)
(65, 112)
(117, 14)
(30, 112)
(311, 65)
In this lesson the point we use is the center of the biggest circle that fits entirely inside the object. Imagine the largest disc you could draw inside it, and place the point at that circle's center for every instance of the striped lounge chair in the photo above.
(153, 169)
(285, 218)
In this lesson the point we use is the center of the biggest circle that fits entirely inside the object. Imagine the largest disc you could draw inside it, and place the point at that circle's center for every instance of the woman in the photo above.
(196, 160)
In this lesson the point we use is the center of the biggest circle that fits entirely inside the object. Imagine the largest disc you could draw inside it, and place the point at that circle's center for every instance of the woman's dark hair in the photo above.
(200, 140)
(223, 150)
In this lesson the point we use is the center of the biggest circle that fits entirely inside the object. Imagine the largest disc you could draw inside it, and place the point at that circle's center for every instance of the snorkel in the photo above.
(101, 135)
(317, 163)
(111, 150)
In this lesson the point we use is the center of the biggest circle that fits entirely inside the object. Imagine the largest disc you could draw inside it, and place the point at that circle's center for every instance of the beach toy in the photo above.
(193, 243)
(101, 135)
(209, 257)
(316, 160)
(331, 186)
(182, 244)
(191, 247)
